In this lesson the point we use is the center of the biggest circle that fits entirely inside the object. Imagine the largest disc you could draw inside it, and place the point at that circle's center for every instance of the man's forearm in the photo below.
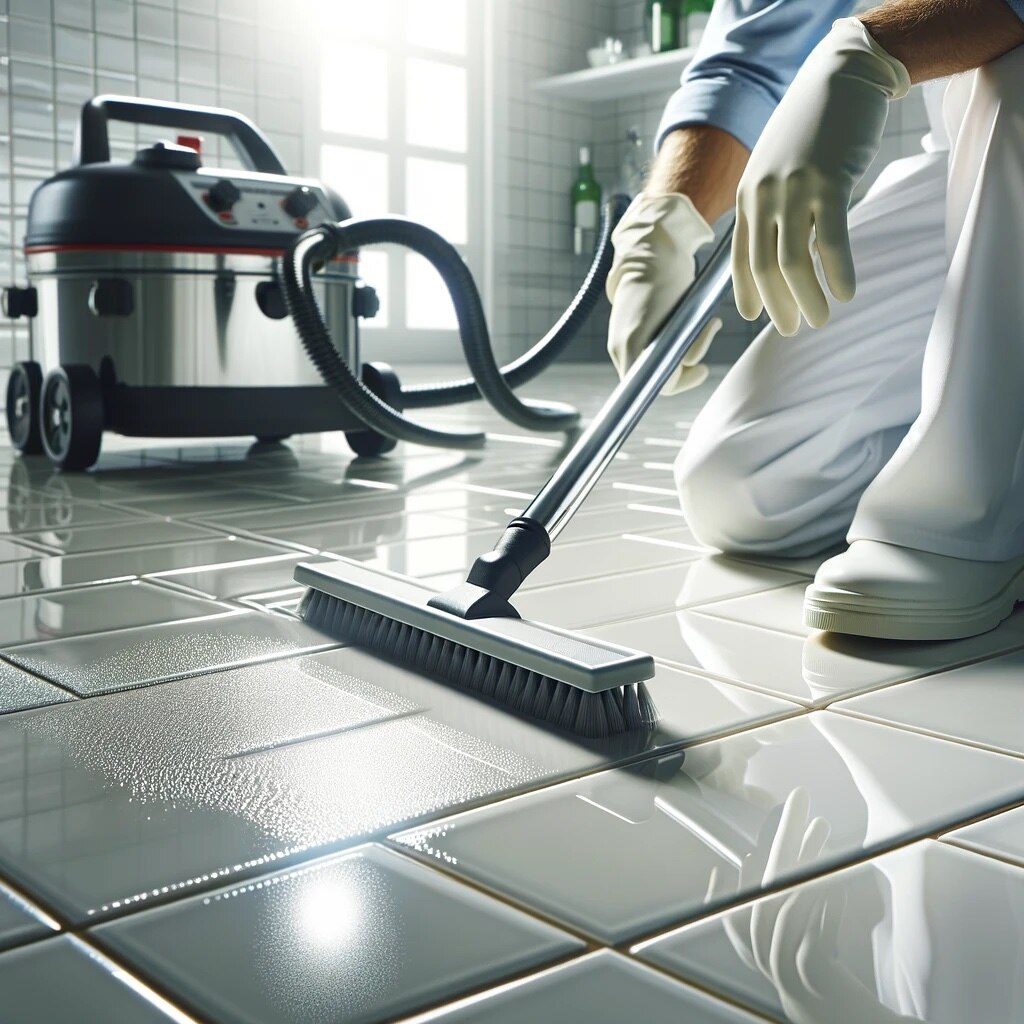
(703, 163)
(935, 38)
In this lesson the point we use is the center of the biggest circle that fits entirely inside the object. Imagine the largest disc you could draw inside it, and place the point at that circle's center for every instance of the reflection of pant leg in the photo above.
(956, 484)
(779, 457)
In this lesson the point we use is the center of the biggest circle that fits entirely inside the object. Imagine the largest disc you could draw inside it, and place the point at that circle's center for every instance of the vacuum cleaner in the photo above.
(156, 302)
(472, 636)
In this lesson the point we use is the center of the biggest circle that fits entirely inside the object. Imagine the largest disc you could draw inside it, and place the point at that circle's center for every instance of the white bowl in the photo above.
(599, 57)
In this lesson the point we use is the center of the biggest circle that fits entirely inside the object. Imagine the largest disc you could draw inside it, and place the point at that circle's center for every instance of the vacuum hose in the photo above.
(535, 361)
(490, 381)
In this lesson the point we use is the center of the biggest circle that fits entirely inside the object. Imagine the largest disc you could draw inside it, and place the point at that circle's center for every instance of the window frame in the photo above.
(398, 342)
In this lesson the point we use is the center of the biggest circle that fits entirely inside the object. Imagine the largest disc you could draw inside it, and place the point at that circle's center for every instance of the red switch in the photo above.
(192, 141)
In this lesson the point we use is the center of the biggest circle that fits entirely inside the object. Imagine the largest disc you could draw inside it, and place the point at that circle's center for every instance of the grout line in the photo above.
(429, 1010)
(926, 674)
(42, 679)
(223, 610)
(497, 989)
(469, 882)
(659, 611)
(177, 1000)
(992, 854)
(920, 730)
(865, 857)
(719, 995)
(394, 716)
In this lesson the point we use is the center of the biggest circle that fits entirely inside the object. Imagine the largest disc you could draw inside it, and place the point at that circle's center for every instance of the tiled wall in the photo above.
(536, 143)
(55, 54)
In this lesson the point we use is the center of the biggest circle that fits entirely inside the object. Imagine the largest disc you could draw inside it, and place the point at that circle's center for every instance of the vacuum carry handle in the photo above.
(582, 468)
(92, 142)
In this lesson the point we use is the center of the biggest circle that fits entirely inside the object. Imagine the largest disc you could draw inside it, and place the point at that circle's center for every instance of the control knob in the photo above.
(223, 195)
(299, 202)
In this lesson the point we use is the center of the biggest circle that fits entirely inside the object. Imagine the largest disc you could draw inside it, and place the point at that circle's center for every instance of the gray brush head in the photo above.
(588, 686)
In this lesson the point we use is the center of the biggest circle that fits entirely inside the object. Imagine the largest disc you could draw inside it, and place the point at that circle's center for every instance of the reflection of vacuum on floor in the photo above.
(155, 303)
(360, 534)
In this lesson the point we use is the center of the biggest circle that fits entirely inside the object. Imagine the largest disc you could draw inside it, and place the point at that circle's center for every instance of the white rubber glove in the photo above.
(801, 175)
(655, 247)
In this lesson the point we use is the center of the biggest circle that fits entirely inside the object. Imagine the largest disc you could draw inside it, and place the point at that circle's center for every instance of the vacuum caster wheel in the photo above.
(71, 416)
(384, 383)
(23, 387)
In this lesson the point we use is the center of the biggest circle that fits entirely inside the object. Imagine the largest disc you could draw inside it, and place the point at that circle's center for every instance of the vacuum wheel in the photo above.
(71, 416)
(23, 387)
(384, 383)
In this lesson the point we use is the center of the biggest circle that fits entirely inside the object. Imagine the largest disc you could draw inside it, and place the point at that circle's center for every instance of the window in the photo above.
(400, 131)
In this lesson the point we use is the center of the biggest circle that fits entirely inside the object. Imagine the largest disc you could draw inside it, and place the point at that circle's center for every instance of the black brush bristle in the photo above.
(593, 715)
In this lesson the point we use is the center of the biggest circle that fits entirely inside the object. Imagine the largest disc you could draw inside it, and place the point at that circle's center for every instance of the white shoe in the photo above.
(883, 590)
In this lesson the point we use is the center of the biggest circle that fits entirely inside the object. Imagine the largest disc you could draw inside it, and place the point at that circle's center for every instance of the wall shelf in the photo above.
(657, 73)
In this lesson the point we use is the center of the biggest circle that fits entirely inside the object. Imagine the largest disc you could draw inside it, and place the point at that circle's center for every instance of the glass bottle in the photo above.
(663, 24)
(586, 204)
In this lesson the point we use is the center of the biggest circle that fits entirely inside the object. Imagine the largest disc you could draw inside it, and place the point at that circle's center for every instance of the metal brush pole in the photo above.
(582, 468)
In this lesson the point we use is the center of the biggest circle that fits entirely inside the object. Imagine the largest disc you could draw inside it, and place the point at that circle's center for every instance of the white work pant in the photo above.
(902, 420)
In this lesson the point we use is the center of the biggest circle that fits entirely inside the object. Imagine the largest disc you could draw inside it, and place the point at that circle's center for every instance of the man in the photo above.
(902, 424)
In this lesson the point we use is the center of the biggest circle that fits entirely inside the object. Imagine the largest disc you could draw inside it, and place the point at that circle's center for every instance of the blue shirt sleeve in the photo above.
(750, 52)
(1017, 6)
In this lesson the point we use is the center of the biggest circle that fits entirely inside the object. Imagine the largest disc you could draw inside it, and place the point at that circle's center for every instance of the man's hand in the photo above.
(797, 186)
(655, 247)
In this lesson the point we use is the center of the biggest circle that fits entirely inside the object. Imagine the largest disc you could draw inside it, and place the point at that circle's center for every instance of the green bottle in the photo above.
(663, 23)
(586, 205)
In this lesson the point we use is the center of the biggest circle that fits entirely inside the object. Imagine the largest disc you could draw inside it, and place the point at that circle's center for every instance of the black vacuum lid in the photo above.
(165, 198)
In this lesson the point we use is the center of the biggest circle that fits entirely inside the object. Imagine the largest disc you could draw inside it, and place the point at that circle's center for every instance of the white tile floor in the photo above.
(211, 812)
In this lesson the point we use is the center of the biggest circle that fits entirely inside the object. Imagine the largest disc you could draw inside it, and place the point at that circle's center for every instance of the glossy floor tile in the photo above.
(102, 662)
(635, 849)
(51, 572)
(814, 670)
(366, 936)
(55, 515)
(632, 519)
(236, 581)
(146, 532)
(19, 690)
(927, 933)
(63, 979)
(13, 551)
(980, 703)
(285, 601)
(780, 610)
(602, 988)
(594, 559)
(202, 505)
(641, 594)
(360, 538)
(20, 921)
(1001, 835)
(382, 506)
(693, 707)
(92, 610)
